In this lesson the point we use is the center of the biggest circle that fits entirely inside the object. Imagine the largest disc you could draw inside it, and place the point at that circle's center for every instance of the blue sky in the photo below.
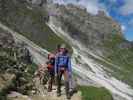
(120, 10)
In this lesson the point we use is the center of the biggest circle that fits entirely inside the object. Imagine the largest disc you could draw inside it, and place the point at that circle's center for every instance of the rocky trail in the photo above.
(49, 96)
(43, 94)
(52, 96)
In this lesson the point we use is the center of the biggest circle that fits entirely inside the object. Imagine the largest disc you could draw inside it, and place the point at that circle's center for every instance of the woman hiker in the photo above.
(50, 66)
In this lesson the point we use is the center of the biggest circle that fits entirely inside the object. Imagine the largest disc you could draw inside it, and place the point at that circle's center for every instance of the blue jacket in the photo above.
(61, 60)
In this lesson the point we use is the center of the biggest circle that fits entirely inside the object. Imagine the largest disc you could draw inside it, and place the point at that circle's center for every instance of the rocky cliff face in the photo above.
(91, 30)
(29, 20)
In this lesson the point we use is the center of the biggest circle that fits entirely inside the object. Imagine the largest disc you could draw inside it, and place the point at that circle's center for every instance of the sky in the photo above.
(120, 10)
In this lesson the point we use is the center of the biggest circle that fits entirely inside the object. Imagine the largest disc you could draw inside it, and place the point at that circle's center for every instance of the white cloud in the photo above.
(123, 27)
(127, 8)
(92, 5)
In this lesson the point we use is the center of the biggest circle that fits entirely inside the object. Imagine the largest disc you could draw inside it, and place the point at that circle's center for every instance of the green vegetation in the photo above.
(94, 93)
(16, 68)
(31, 68)
(121, 57)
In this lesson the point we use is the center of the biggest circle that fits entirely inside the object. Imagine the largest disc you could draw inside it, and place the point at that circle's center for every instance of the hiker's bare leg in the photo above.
(50, 83)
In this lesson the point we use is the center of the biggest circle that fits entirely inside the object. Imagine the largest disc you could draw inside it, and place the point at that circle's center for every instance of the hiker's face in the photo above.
(62, 50)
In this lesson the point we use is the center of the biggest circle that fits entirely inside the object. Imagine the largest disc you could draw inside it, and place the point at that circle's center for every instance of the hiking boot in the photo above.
(68, 96)
(58, 94)
(50, 88)
(67, 90)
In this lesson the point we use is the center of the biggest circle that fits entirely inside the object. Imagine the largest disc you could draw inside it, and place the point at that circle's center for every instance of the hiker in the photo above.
(63, 67)
(50, 67)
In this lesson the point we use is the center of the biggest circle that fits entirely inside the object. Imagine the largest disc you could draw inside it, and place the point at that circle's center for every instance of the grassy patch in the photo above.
(121, 57)
(94, 93)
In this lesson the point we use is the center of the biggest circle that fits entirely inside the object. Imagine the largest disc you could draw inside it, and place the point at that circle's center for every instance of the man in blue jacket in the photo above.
(63, 67)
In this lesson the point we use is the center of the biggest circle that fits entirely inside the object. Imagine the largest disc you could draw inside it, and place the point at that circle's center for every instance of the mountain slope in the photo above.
(97, 41)
(98, 33)
(93, 72)
(28, 21)
(96, 46)
(39, 56)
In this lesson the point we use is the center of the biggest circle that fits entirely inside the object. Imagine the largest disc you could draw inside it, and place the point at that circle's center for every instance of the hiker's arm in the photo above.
(69, 65)
(55, 66)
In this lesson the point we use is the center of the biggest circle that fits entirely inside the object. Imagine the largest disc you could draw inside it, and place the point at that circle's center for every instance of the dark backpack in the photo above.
(52, 61)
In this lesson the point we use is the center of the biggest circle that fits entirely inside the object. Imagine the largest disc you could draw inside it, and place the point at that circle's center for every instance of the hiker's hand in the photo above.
(69, 73)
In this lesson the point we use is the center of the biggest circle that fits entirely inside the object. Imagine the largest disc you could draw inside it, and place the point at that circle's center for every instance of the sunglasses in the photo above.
(62, 48)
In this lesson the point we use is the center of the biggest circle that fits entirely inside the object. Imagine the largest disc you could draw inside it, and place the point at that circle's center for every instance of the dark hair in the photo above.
(66, 51)
(58, 47)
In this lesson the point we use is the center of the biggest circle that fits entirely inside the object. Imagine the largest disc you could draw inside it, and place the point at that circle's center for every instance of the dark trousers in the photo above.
(63, 72)
(51, 80)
